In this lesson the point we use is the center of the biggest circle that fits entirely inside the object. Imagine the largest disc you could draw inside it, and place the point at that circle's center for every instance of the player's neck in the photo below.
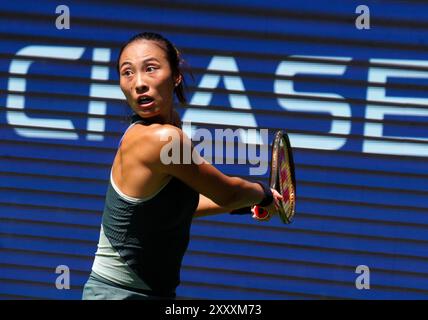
(160, 119)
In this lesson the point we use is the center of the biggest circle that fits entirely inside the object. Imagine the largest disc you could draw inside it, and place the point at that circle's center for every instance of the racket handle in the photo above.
(259, 212)
(246, 210)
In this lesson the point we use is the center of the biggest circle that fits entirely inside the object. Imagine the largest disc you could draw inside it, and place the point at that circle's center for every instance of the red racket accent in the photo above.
(260, 213)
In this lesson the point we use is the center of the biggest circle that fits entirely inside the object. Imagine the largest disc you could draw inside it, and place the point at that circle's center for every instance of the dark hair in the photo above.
(173, 55)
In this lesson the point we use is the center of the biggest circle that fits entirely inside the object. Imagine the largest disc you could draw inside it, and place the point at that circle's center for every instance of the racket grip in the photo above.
(260, 213)
(246, 210)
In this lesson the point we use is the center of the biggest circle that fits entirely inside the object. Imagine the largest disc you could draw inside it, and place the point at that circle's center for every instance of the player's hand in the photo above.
(266, 213)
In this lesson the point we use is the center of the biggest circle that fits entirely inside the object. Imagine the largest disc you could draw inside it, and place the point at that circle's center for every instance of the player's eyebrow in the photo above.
(150, 59)
(144, 61)
(124, 63)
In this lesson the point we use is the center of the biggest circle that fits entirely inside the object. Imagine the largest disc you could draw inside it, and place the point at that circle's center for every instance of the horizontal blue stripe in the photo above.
(311, 253)
(40, 230)
(57, 200)
(82, 264)
(340, 273)
(299, 286)
(282, 237)
(50, 215)
(34, 290)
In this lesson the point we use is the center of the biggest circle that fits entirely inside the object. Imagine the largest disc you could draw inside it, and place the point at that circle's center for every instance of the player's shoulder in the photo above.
(158, 134)
(157, 130)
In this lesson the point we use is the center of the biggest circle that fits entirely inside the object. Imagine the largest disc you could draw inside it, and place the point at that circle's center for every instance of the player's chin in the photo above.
(147, 113)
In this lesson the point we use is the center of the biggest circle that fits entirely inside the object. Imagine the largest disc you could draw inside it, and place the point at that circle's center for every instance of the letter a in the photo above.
(63, 20)
(363, 280)
(63, 280)
(363, 20)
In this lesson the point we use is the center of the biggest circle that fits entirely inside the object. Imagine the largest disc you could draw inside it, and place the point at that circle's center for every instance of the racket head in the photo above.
(282, 175)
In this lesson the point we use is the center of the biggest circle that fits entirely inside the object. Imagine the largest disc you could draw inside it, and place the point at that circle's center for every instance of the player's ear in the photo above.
(177, 80)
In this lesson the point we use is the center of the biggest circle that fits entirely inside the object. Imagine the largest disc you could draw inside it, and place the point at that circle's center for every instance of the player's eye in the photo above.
(126, 73)
(150, 69)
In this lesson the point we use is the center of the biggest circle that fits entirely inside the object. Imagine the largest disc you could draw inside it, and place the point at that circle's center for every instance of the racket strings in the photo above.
(286, 183)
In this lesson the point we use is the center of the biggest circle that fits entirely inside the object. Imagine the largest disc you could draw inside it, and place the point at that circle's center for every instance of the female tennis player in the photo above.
(150, 205)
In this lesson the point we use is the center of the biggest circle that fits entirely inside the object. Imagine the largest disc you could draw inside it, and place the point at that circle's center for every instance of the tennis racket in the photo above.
(281, 178)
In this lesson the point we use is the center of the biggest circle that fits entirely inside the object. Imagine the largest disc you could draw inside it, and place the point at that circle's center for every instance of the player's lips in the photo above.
(145, 101)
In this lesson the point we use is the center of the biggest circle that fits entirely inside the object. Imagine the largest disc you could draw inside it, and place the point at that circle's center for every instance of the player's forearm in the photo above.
(207, 207)
(246, 194)
(243, 194)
